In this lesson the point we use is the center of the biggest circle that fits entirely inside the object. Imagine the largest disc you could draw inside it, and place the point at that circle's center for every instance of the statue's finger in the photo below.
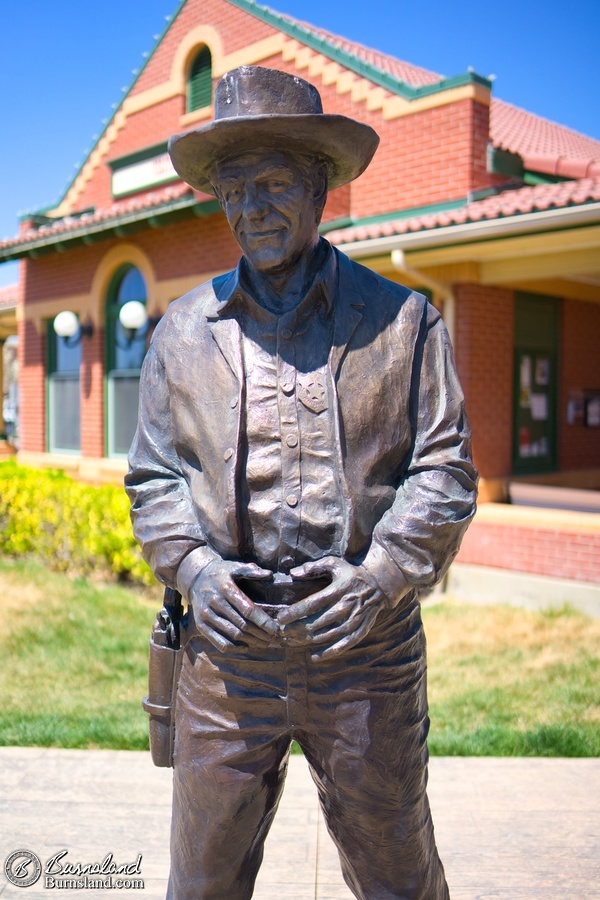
(335, 649)
(309, 606)
(250, 611)
(251, 570)
(318, 568)
(334, 615)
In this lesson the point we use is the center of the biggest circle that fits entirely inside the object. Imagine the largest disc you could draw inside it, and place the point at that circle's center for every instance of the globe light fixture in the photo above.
(67, 326)
(133, 315)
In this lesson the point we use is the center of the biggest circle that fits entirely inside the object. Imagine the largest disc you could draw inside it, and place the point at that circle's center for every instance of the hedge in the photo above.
(71, 527)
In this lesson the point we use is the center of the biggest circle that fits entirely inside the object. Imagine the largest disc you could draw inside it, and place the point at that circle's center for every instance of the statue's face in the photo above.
(270, 206)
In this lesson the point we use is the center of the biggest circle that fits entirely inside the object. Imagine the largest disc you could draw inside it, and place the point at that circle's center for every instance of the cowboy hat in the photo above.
(265, 109)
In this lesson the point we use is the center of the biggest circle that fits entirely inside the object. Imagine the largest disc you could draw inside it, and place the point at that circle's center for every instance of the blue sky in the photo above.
(63, 63)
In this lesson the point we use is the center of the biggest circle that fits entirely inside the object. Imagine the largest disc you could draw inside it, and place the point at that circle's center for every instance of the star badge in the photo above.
(313, 394)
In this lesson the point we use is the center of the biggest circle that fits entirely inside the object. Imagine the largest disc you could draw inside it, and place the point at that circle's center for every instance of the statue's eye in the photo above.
(277, 185)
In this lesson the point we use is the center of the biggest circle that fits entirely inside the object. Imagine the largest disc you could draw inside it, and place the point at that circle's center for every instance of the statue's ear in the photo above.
(320, 188)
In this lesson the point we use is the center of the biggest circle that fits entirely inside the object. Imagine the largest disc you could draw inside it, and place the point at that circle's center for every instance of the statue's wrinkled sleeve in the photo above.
(162, 511)
(418, 537)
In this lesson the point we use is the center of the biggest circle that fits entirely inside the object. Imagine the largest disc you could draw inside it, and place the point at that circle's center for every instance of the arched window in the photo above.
(124, 357)
(199, 86)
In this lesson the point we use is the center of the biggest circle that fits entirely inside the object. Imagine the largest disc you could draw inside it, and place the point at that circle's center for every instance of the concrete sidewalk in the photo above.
(508, 829)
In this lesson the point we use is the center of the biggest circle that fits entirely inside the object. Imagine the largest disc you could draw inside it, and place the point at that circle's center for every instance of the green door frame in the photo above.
(535, 397)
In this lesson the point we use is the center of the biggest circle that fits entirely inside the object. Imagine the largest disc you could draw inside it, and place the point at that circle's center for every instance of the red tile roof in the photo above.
(509, 203)
(153, 200)
(413, 75)
(543, 145)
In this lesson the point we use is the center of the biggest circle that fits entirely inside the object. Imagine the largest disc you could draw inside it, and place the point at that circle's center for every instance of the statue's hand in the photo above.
(220, 609)
(338, 616)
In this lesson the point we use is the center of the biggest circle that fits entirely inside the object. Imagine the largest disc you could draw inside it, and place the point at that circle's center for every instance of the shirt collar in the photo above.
(234, 291)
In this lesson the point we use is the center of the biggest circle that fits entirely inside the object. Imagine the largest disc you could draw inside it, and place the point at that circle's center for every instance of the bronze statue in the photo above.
(300, 474)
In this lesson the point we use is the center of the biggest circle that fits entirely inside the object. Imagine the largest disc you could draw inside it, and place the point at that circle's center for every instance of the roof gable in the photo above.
(397, 79)
(543, 146)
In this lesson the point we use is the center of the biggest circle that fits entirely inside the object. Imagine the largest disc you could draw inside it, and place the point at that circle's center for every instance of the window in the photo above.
(199, 86)
(64, 406)
(125, 355)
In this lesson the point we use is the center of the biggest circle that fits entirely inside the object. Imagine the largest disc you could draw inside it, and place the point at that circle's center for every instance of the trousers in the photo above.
(361, 721)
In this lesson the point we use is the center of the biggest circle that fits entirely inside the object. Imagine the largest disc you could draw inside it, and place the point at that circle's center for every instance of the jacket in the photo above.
(405, 438)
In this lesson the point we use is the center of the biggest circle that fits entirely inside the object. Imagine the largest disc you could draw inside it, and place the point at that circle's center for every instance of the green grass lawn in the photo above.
(502, 681)
(74, 660)
(512, 682)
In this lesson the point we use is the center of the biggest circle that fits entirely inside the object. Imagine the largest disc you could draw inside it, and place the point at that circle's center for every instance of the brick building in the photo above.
(490, 209)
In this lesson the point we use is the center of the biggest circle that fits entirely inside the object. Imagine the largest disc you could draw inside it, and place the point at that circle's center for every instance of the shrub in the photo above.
(71, 527)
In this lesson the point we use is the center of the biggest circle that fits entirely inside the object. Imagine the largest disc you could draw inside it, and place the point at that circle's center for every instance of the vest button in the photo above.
(286, 333)
(291, 440)
(228, 454)
(292, 500)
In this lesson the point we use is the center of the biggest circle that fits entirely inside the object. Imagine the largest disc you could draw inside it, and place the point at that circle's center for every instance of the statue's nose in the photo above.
(255, 202)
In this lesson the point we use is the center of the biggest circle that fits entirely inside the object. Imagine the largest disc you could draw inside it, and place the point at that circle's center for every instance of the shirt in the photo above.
(295, 510)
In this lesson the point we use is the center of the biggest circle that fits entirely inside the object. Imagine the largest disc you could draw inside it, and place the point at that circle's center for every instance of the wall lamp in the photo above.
(133, 316)
(67, 326)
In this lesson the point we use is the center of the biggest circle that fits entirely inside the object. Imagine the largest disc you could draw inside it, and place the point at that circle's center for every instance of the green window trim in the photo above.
(63, 400)
(124, 357)
(199, 85)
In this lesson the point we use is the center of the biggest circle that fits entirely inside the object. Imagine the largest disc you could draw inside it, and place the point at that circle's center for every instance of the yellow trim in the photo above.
(329, 72)
(396, 107)
(197, 115)
(465, 271)
(541, 265)
(468, 272)
(117, 256)
(40, 312)
(375, 97)
(174, 87)
(93, 304)
(152, 97)
(254, 53)
(547, 262)
(291, 50)
(559, 287)
(509, 247)
(182, 58)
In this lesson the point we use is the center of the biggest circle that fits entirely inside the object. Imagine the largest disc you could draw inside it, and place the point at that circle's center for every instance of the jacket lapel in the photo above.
(348, 304)
(228, 337)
